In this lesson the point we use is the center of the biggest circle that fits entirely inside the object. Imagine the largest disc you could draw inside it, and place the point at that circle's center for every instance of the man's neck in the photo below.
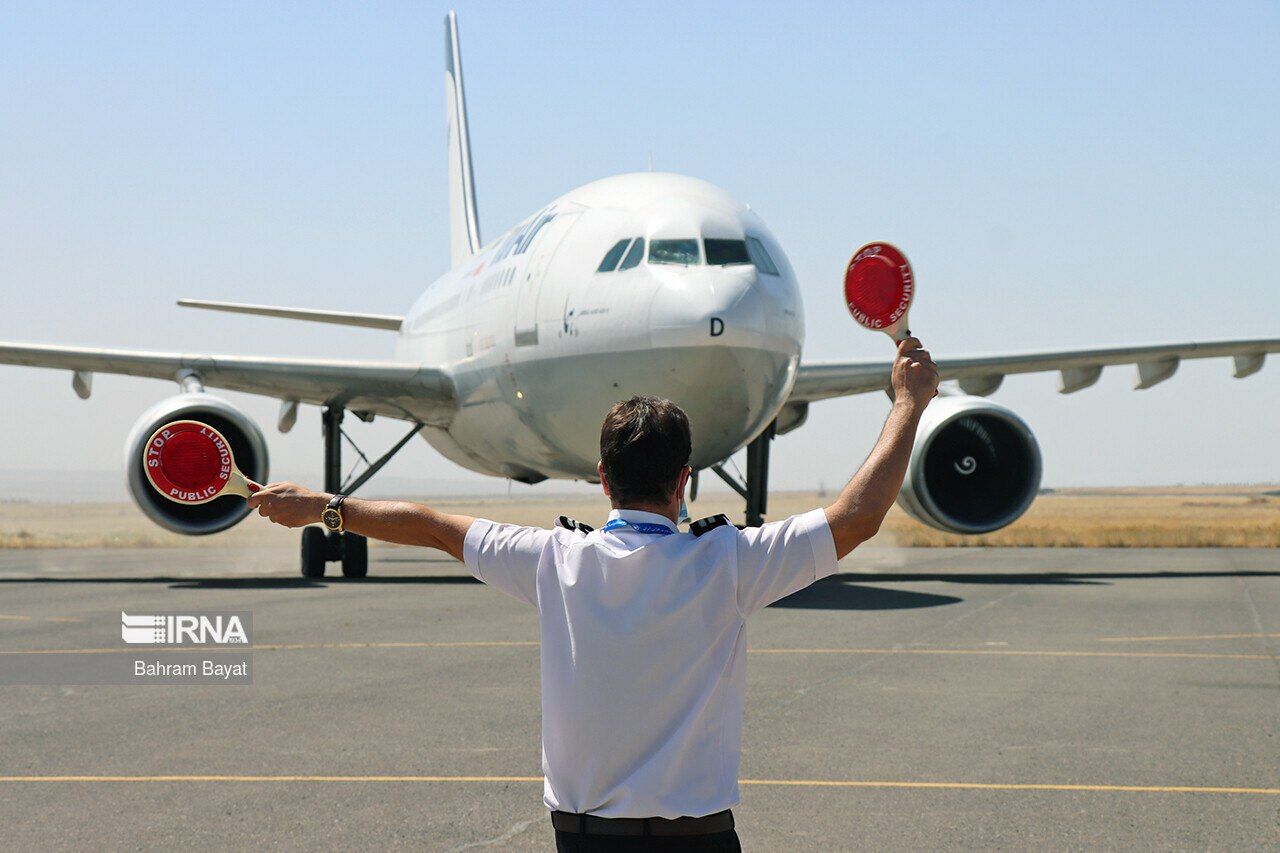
(670, 511)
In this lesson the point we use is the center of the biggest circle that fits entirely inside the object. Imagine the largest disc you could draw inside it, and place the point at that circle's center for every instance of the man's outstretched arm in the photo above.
(856, 514)
(391, 521)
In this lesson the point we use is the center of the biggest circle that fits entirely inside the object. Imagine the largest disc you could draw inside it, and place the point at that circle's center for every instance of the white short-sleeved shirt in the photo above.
(644, 650)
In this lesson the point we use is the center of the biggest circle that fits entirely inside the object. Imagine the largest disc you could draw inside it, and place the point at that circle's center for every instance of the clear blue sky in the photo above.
(1061, 175)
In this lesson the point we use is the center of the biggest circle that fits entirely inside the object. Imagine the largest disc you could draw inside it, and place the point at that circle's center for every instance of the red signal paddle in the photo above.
(878, 288)
(191, 463)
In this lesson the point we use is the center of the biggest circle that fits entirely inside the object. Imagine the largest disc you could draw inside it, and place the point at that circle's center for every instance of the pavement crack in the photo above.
(1268, 645)
(509, 835)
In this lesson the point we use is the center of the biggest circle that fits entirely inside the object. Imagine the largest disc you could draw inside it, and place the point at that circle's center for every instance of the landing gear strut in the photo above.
(320, 546)
(756, 489)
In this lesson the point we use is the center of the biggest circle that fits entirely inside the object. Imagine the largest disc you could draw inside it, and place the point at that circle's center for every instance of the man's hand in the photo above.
(915, 376)
(856, 515)
(288, 504)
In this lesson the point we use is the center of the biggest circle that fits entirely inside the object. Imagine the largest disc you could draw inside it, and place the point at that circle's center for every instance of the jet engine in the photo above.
(247, 444)
(975, 467)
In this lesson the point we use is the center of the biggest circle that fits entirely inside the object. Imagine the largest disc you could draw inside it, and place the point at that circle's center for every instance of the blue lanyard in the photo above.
(639, 527)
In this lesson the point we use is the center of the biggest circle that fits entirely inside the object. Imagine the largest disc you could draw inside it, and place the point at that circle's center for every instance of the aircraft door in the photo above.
(543, 245)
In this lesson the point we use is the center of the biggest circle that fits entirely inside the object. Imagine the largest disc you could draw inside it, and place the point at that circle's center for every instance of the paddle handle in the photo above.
(239, 484)
(899, 331)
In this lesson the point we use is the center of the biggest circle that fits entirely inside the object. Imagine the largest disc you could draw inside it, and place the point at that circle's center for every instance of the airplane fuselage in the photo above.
(569, 312)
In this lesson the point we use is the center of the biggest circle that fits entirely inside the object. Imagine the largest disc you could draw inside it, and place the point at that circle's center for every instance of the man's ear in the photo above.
(685, 473)
(604, 482)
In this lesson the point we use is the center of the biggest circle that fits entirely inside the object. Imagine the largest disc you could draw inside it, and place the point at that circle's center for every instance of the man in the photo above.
(642, 628)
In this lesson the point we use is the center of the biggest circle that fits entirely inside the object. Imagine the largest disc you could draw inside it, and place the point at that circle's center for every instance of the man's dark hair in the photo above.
(644, 443)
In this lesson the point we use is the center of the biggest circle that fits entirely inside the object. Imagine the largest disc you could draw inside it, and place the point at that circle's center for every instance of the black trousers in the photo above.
(716, 842)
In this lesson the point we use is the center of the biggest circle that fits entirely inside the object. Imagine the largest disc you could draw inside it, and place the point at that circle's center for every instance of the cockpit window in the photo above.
(610, 262)
(635, 256)
(724, 252)
(760, 257)
(684, 252)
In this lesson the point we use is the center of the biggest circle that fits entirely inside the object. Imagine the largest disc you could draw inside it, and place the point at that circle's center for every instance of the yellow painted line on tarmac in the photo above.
(782, 783)
(1011, 653)
(273, 778)
(1249, 636)
(533, 643)
(1014, 786)
(11, 617)
(275, 647)
(460, 644)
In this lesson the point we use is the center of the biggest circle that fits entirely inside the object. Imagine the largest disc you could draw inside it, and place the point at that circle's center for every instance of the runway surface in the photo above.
(925, 699)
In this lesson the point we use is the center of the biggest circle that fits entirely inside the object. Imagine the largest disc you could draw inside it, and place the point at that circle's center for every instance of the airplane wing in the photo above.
(1077, 368)
(394, 389)
(389, 322)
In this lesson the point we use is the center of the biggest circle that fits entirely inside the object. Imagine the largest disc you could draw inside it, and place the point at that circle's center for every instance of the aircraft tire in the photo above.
(355, 556)
(314, 552)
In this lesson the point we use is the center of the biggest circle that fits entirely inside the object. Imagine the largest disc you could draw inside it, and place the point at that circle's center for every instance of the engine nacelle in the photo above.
(247, 443)
(975, 467)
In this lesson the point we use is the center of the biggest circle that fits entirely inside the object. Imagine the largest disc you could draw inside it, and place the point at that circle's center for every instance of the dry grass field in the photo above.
(1170, 517)
(1181, 517)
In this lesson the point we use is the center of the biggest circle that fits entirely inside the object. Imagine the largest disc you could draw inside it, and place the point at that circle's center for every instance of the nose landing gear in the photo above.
(755, 491)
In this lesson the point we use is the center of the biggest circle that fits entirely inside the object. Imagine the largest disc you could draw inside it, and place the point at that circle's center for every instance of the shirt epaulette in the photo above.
(573, 524)
(711, 522)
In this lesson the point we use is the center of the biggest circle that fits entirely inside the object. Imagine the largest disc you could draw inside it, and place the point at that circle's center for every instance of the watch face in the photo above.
(332, 518)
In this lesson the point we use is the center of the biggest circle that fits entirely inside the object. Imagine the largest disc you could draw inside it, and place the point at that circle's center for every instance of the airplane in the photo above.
(638, 283)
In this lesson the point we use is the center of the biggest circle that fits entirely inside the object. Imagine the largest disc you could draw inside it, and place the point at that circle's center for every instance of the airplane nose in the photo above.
(708, 307)
(728, 353)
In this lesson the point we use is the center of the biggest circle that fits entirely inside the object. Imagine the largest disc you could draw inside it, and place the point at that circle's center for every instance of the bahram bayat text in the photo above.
(206, 669)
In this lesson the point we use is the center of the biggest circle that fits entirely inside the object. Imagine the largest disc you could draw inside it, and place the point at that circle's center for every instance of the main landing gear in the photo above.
(755, 491)
(319, 546)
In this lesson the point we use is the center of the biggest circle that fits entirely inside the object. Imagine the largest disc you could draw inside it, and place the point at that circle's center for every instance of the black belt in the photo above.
(586, 824)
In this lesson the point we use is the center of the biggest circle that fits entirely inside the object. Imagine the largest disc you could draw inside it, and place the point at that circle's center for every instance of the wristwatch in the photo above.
(331, 518)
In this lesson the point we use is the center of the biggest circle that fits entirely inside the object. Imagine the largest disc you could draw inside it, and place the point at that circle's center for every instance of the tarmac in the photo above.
(924, 699)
